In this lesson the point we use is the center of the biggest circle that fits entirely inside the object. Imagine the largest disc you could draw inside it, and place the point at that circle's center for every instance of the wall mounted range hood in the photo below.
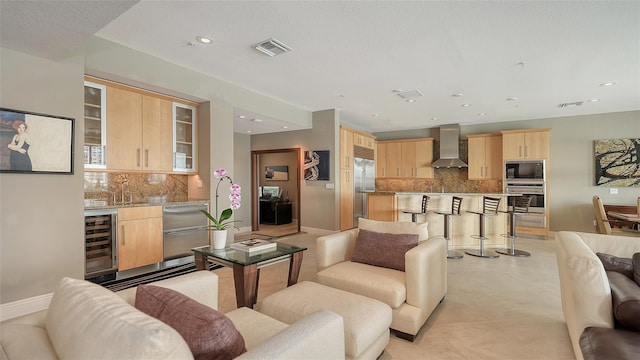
(449, 147)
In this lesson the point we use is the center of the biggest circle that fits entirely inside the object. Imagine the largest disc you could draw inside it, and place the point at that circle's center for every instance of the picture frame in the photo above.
(35, 143)
(276, 173)
(617, 162)
(316, 165)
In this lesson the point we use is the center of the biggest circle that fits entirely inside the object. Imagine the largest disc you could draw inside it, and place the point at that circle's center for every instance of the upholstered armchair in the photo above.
(412, 294)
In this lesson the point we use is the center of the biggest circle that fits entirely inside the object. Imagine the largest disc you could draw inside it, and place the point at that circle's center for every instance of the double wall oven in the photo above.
(528, 178)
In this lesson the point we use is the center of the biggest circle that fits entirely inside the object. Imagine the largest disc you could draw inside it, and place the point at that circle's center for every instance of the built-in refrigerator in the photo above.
(364, 172)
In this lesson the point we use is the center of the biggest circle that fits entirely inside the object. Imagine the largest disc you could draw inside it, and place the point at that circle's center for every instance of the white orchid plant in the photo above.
(223, 221)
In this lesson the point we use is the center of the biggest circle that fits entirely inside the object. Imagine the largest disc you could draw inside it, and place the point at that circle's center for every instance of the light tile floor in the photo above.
(504, 308)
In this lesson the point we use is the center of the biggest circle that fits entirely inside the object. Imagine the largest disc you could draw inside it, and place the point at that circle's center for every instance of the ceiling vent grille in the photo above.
(271, 47)
(571, 104)
(409, 94)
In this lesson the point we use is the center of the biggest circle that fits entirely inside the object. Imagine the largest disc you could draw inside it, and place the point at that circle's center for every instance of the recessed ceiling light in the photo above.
(248, 131)
(241, 116)
(411, 100)
(465, 105)
(482, 114)
(608, 83)
(457, 95)
(398, 90)
(257, 120)
(285, 127)
(434, 118)
(203, 40)
(512, 99)
(594, 100)
(376, 115)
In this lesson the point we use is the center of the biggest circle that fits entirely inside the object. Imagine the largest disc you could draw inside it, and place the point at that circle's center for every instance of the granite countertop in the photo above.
(118, 206)
(440, 193)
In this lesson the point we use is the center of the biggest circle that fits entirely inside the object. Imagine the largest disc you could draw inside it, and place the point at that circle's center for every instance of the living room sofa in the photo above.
(587, 301)
(88, 321)
(412, 294)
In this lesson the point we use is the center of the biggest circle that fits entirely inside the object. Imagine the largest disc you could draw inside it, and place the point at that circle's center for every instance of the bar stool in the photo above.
(414, 214)
(455, 211)
(520, 206)
(489, 208)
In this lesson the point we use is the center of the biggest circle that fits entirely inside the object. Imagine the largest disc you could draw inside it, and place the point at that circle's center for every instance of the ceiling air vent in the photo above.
(271, 47)
(571, 104)
(409, 94)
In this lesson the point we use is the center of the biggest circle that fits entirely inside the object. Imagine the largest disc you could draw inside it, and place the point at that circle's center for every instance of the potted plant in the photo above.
(220, 222)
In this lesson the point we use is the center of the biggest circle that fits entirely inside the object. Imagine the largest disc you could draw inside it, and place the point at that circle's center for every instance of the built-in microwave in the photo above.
(524, 170)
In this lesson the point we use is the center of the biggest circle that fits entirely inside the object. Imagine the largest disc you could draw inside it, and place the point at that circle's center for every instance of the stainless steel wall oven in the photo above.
(537, 192)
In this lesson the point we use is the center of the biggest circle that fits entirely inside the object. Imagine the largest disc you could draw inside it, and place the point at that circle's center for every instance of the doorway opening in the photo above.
(275, 192)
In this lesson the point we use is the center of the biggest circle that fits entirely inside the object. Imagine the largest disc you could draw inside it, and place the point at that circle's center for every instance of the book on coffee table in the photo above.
(254, 245)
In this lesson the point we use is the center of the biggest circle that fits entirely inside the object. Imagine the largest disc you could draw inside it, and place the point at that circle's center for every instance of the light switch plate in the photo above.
(613, 191)
(329, 186)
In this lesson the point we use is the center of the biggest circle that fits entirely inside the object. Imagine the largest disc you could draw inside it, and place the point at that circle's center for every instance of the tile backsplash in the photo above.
(444, 180)
(143, 188)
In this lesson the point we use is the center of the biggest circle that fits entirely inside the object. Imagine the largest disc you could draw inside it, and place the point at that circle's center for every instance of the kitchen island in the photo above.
(462, 227)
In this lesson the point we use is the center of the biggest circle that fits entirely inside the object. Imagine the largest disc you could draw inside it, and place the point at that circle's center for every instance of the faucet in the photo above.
(442, 188)
(122, 192)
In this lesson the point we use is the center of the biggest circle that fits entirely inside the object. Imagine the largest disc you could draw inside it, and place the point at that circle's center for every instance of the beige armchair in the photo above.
(412, 295)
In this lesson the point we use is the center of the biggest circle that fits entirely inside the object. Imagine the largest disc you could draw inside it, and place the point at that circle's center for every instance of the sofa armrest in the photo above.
(426, 274)
(319, 335)
(202, 286)
(335, 248)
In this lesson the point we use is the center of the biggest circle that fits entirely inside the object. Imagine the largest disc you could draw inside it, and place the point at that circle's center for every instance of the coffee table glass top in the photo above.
(245, 258)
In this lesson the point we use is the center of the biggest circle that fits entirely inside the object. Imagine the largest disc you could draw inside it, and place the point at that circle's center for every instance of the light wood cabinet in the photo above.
(184, 137)
(525, 144)
(405, 159)
(346, 199)
(485, 156)
(139, 236)
(95, 125)
(156, 136)
(346, 149)
(124, 129)
(363, 140)
(381, 207)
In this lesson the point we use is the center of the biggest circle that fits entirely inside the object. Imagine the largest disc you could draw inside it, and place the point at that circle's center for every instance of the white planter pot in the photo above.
(219, 238)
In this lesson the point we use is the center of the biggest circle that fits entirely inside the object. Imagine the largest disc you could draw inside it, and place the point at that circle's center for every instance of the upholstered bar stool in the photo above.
(489, 208)
(520, 206)
(455, 211)
(414, 214)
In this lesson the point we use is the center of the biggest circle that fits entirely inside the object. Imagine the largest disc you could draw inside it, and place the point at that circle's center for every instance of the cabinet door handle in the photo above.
(138, 157)
(146, 158)
(520, 152)
(123, 242)
(526, 151)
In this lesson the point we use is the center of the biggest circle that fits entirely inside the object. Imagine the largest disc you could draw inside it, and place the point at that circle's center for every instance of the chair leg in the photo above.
(482, 252)
(404, 336)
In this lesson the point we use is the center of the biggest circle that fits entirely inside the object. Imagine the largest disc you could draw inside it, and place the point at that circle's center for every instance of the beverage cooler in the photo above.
(100, 241)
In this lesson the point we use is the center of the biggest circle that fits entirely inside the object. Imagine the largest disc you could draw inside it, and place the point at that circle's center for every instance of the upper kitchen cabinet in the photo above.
(346, 148)
(95, 125)
(184, 137)
(405, 158)
(138, 132)
(525, 144)
(485, 156)
(364, 140)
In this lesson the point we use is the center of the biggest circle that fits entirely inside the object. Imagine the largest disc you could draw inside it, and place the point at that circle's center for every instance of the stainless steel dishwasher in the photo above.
(184, 227)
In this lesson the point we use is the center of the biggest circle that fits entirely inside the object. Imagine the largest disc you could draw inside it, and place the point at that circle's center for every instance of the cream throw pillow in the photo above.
(87, 321)
(395, 227)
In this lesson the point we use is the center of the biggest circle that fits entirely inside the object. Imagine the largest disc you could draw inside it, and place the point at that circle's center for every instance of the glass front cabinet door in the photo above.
(184, 137)
(95, 126)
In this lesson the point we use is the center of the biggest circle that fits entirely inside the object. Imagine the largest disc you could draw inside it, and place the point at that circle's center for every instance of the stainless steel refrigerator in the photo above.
(364, 172)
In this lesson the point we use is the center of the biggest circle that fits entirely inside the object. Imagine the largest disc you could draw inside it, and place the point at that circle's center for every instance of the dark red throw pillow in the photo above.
(383, 249)
(209, 333)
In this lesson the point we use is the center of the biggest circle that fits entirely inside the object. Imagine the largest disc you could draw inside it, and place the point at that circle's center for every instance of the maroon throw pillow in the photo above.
(209, 333)
(617, 264)
(383, 249)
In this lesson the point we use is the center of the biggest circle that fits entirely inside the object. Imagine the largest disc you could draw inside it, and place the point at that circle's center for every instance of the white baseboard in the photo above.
(25, 306)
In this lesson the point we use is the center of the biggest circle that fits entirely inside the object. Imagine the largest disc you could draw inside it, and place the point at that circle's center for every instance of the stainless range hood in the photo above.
(449, 147)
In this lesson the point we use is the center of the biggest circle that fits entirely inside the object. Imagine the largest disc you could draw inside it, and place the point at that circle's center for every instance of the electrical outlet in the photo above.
(613, 191)
(595, 223)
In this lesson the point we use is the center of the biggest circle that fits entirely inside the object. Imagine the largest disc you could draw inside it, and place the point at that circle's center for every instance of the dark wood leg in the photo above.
(245, 278)
(201, 261)
(255, 298)
(294, 268)
(405, 336)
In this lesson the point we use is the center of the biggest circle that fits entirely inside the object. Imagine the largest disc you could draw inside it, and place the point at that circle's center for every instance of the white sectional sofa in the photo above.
(88, 321)
(584, 285)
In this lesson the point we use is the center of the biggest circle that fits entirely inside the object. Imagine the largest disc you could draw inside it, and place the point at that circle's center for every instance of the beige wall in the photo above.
(242, 170)
(571, 166)
(316, 201)
(41, 216)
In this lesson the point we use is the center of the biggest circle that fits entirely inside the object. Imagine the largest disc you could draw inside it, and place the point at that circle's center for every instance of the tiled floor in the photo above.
(504, 308)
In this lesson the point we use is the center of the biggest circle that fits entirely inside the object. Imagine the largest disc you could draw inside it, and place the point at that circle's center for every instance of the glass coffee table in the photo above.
(246, 266)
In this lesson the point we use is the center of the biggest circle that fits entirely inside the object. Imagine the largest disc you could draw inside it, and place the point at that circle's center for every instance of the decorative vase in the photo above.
(219, 239)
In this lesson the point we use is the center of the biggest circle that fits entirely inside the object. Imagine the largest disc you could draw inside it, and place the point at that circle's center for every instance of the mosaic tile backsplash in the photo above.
(444, 180)
(139, 187)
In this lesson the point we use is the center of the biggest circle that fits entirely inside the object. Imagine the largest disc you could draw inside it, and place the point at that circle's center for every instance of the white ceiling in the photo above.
(352, 55)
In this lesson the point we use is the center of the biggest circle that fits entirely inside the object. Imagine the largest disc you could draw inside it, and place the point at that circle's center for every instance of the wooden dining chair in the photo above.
(604, 223)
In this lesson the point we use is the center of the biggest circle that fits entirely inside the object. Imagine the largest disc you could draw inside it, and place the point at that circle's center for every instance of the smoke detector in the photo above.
(271, 47)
